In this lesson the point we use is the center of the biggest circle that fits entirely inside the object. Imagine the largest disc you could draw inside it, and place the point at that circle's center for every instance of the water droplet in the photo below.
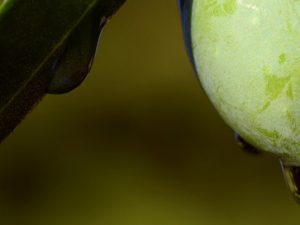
(244, 145)
(291, 173)
(71, 68)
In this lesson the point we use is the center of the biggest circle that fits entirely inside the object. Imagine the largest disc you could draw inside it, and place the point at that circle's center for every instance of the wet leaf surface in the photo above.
(33, 34)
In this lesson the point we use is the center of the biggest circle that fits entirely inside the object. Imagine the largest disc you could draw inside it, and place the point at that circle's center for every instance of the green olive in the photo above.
(247, 56)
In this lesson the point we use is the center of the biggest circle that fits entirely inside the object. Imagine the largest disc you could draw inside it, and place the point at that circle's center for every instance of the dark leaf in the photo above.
(34, 37)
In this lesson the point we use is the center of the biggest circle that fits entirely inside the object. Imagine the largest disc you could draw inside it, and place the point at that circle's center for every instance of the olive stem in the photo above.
(291, 173)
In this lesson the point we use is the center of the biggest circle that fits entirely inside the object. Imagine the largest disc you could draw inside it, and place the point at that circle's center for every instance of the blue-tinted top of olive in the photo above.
(185, 7)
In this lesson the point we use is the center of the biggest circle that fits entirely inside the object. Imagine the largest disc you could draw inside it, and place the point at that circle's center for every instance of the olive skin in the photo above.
(246, 55)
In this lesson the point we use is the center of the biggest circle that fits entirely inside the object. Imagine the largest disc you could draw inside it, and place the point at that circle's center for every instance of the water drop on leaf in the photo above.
(75, 62)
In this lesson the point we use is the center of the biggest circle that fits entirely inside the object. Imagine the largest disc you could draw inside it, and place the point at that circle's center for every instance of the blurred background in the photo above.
(137, 144)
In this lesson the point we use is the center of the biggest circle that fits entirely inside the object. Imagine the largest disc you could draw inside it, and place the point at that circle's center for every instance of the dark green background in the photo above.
(137, 144)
